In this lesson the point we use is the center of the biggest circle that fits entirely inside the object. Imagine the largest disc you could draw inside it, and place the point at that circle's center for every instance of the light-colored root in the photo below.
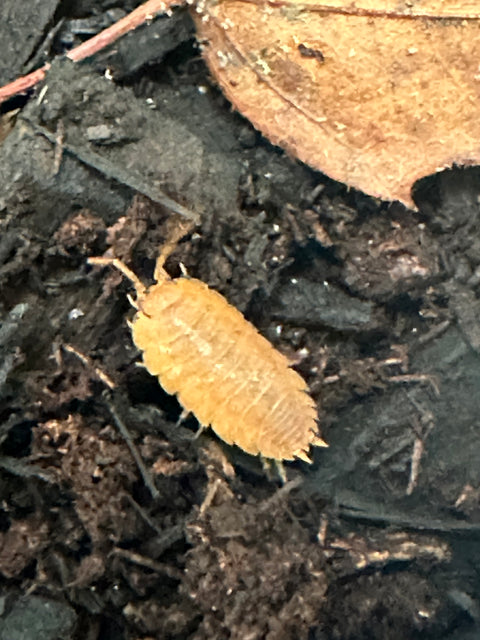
(101, 375)
(140, 288)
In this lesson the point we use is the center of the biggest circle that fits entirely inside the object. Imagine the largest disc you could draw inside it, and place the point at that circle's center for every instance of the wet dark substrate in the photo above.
(377, 307)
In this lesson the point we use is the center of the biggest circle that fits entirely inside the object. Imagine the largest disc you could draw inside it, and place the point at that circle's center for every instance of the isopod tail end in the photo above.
(302, 455)
(319, 442)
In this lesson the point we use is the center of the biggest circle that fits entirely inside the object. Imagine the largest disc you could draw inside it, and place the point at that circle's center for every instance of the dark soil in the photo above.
(377, 307)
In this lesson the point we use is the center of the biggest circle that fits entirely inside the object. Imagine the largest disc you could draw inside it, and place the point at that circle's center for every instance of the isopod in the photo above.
(221, 368)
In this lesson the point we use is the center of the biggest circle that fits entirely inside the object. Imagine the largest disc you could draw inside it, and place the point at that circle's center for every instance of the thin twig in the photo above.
(148, 563)
(144, 13)
(57, 158)
(147, 478)
(110, 170)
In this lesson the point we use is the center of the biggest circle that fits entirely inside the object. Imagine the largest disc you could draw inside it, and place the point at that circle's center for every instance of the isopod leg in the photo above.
(274, 469)
(183, 416)
(201, 430)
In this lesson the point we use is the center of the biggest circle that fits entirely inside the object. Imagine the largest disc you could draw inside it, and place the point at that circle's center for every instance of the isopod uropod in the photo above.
(222, 370)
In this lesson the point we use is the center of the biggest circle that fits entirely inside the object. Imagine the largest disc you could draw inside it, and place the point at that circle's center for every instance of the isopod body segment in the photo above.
(222, 370)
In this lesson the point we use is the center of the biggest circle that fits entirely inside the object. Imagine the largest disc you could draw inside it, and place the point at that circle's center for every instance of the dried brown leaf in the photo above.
(376, 94)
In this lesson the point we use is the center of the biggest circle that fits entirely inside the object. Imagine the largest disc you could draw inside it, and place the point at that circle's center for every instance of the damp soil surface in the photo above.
(118, 520)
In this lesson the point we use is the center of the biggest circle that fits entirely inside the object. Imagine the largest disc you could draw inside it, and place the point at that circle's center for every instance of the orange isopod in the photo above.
(222, 370)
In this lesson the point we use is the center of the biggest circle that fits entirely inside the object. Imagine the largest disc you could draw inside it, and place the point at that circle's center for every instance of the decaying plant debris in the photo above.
(374, 305)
